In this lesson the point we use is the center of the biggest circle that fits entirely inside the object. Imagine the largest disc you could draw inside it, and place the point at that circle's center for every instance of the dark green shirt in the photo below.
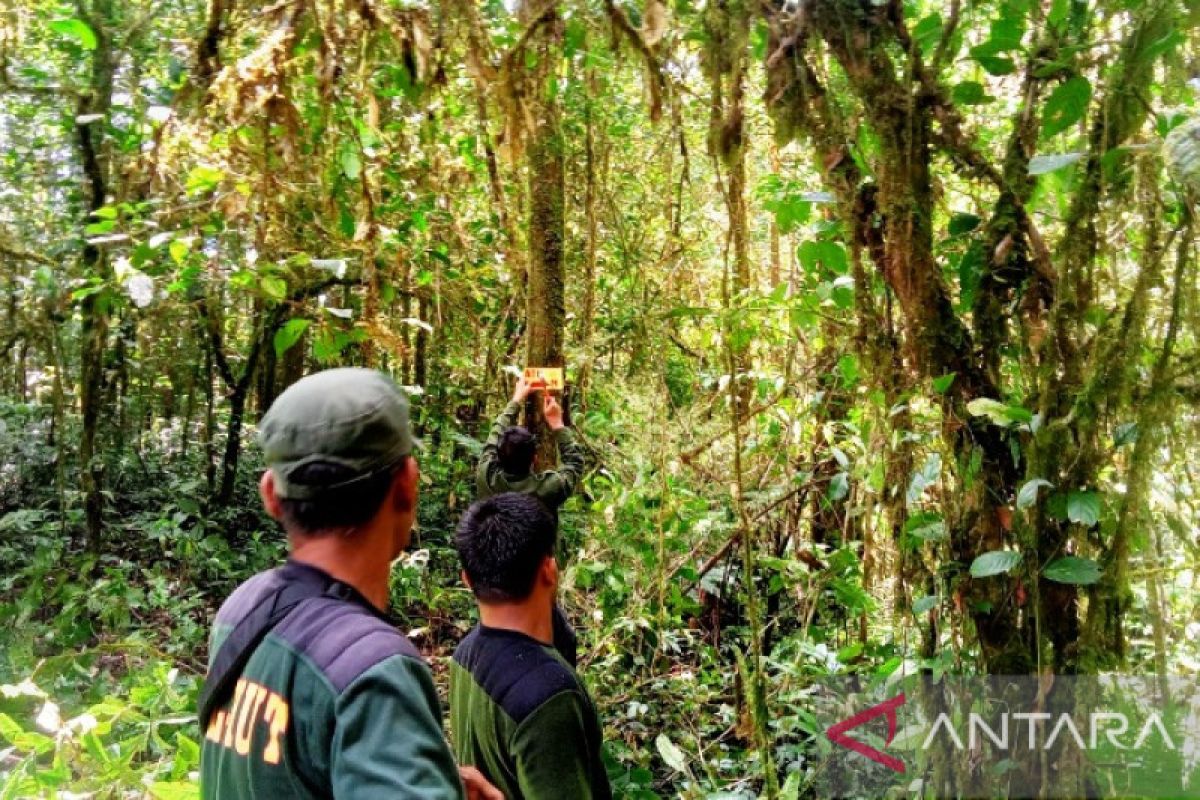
(519, 714)
(552, 487)
(334, 703)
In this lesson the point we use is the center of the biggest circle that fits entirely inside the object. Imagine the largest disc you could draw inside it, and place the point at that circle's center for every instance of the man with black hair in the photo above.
(507, 466)
(507, 461)
(311, 690)
(518, 711)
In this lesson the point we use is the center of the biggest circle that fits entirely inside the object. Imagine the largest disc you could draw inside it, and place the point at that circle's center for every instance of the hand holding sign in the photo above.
(552, 411)
(525, 387)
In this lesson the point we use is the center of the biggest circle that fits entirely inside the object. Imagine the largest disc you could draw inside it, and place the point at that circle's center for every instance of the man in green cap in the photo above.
(311, 691)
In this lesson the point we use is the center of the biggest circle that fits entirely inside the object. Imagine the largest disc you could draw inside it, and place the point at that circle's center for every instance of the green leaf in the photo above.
(850, 652)
(830, 255)
(675, 758)
(926, 526)
(927, 603)
(943, 382)
(970, 93)
(1029, 492)
(848, 367)
(1074, 570)
(76, 29)
(1002, 414)
(962, 223)
(349, 161)
(928, 32)
(1083, 508)
(996, 65)
(274, 287)
(1125, 433)
(996, 562)
(203, 179)
(287, 336)
(1067, 104)
(839, 487)
(1040, 165)
(178, 248)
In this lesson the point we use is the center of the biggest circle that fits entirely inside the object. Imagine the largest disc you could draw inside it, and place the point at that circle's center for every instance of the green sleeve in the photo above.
(488, 474)
(558, 486)
(387, 738)
(550, 748)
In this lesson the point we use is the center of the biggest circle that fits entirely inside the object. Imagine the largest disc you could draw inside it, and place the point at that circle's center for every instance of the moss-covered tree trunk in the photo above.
(545, 309)
(92, 118)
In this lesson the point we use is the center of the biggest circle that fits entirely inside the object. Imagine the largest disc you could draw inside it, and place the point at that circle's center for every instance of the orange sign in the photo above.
(550, 377)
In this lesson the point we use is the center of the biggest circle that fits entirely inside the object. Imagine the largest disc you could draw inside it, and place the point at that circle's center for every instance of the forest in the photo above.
(879, 320)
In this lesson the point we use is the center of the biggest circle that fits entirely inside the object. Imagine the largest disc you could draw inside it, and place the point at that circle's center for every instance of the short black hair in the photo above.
(501, 543)
(515, 452)
(346, 507)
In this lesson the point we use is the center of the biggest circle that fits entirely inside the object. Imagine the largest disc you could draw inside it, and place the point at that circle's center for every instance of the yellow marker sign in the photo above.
(551, 377)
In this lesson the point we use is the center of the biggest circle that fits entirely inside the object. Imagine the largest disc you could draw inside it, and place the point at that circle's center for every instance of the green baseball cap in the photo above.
(352, 417)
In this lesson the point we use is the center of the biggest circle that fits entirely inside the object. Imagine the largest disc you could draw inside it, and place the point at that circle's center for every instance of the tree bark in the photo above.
(545, 305)
(93, 153)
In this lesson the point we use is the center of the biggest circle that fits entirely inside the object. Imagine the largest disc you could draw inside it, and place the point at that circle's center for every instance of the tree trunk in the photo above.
(545, 307)
(94, 309)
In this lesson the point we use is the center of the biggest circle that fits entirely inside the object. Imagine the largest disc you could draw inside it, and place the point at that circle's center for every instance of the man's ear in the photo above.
(270, 500)
(548, 573)
(462, 573)
(404, 486)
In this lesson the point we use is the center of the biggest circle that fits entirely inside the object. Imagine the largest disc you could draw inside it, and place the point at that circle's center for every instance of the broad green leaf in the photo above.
(77, 30)
(996, 562)
(1083, 508)
(1066, 105)
(274, 287)
(1125, 433)
(928, 32)
(1040, 165)
(1074, 570)
(1028, 495)
(178, 248)
(203, 179)
(675, 758)
(926, 526)
(943, 382)
(850, 652)
(1002, 414)
(997, 65)
(349, 161)
(839, 487)
(970, 93)
(287, 336)
(962, 223)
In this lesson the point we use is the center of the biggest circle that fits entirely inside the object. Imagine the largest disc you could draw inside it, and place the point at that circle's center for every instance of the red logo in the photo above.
(837, 733)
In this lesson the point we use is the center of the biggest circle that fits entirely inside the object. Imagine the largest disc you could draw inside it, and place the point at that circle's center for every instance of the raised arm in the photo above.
(488, 469)
(560, 484)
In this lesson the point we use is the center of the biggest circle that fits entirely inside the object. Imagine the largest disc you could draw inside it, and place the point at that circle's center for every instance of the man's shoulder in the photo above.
(341, 638)
(517, 673)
